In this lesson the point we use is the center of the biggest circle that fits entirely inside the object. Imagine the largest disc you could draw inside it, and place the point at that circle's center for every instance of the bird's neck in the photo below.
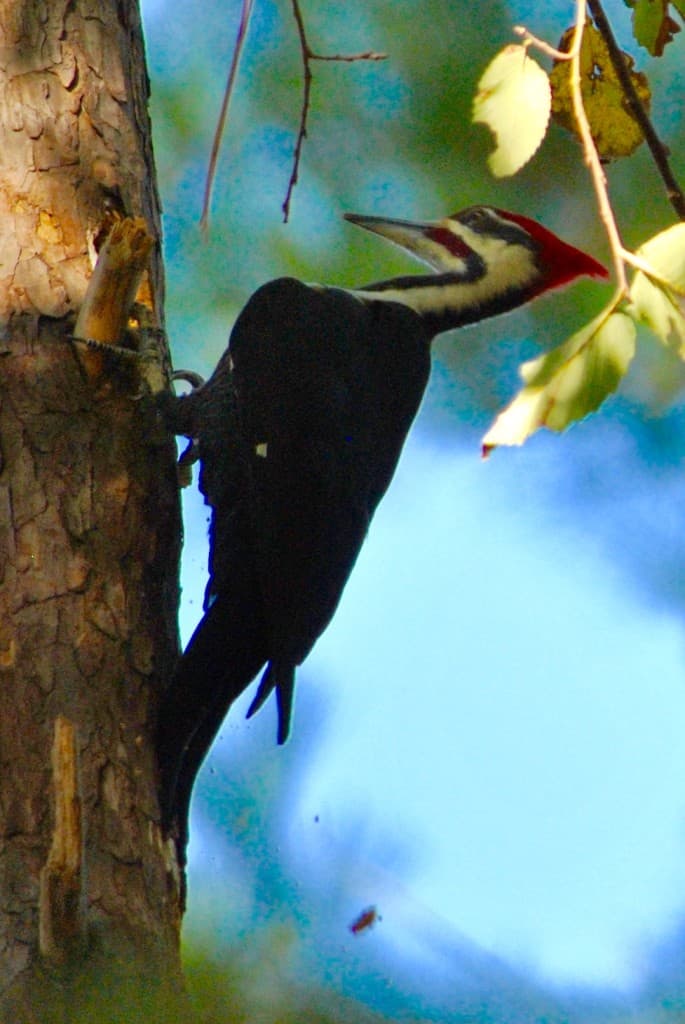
(447, 301)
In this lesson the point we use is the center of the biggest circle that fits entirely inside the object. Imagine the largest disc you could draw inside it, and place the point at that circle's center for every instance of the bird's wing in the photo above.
(326, 388)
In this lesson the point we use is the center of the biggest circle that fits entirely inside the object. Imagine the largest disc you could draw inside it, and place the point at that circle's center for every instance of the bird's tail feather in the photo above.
(280, 678)
(224, 655)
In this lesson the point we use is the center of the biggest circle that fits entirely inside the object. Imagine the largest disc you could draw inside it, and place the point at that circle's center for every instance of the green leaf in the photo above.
(653, 27)
(665, 252)
(659, 309)
(569, 382)
(654, 303)
(513, 100)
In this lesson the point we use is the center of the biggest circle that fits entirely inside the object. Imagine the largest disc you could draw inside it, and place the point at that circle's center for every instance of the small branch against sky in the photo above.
(220, 125)
(657, 148)
(308, 55)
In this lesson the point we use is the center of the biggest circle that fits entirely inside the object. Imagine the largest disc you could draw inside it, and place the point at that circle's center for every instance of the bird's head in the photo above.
(486, 261)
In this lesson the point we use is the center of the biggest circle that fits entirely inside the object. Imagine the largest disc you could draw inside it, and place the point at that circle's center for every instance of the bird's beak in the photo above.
(405, 233)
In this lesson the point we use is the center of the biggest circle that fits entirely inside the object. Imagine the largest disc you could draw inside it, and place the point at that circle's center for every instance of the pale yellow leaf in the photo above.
(666, 254)
(659, 307)
(513, 100)
(661, 310)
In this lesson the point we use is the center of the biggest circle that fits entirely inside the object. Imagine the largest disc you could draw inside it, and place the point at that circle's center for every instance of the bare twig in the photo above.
(308, 55)
(306, 94)
(638, 110)
(530, 40)
(349, 57)
(221, 123)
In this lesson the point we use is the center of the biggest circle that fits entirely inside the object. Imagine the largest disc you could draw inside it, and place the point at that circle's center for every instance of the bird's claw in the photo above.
(195, 380)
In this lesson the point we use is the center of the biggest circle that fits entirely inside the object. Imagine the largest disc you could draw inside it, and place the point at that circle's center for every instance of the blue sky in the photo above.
(496, 699)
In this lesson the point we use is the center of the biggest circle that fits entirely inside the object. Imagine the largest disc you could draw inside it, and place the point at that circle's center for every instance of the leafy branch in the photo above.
(572, 380)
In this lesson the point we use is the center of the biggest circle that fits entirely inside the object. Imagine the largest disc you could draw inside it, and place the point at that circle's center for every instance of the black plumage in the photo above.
(299, 431)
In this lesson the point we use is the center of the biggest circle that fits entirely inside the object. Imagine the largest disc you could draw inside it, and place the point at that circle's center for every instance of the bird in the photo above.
(299, 431)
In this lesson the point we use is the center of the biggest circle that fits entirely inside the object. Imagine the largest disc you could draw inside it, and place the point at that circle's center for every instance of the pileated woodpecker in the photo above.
(299, 431)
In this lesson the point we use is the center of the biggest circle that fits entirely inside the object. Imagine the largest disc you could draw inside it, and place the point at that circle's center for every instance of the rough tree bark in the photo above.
(89, 540)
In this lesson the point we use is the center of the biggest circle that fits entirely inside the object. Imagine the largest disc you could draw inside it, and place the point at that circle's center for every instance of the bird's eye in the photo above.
(476, 217)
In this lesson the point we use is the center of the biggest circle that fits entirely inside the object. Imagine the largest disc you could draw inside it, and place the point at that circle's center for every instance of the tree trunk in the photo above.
(89, 539)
